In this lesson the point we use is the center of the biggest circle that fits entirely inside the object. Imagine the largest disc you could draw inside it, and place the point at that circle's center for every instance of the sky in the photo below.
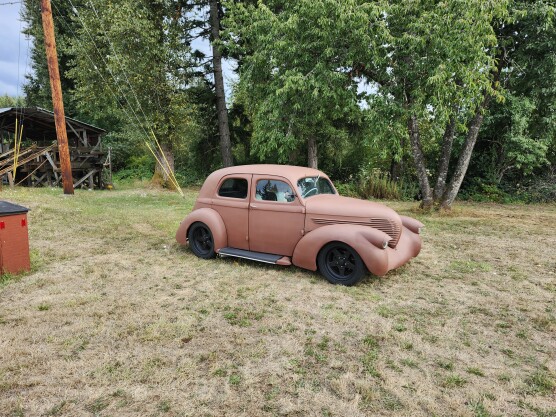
(11, 41)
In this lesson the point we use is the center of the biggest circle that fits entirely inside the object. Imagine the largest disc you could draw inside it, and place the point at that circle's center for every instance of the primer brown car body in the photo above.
(270, 213)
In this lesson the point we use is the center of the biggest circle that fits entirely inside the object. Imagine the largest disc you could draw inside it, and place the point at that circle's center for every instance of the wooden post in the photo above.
(57, 103)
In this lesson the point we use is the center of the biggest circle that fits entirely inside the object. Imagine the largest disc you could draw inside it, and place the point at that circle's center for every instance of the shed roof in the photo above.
(38, 121)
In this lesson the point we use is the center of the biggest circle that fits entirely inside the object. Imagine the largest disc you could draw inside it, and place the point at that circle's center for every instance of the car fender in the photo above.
(212, 219)
(412, 224)
(368, 242)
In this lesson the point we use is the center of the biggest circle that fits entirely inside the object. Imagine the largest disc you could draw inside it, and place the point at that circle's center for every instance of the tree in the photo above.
(223, 127)
(299, 72)
(202, 21)
(37, 88)
(520, 130)
(9, 101)
(438, 69)
(131, 64)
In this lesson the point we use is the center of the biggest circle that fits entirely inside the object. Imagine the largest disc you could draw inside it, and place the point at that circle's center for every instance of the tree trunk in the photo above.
(395, 169)
(223, 127)
(164, 167)
(463, 161)
(312, 159)
(420, 165)
(465, 156)
(445, 154)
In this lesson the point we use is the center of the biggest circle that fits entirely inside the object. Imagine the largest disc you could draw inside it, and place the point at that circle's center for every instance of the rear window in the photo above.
(233, 188)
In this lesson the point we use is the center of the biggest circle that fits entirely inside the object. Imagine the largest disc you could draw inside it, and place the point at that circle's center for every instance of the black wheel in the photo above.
(341, 264)
(201, 241)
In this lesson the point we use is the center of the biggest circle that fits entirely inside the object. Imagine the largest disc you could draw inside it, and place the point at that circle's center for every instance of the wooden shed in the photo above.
(38, 160)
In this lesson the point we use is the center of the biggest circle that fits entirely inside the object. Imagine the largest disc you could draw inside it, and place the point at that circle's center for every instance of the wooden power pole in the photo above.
(57, 102)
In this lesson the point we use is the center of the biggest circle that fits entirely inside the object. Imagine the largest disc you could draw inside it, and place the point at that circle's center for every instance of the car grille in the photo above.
(391, 228)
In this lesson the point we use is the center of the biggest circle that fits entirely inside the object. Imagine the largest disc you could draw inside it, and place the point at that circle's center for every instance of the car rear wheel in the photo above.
(341, 264)
(201, 241)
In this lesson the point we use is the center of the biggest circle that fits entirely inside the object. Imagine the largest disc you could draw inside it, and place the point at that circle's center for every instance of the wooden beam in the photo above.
(78, 183)
(79, 138)
(27, 159)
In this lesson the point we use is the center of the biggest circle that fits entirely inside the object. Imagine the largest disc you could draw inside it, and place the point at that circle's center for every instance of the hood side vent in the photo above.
(387, 226)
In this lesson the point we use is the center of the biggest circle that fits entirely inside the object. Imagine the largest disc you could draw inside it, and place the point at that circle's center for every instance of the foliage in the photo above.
(520, 131)
(377, 184)
(142, 76)
(137, 167)
(8, 101)
(298, 78)
(510, 145)
(347, 74)
(541, 189)
(37, 89)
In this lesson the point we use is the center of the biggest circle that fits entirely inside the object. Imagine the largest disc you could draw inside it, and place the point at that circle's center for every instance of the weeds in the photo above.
(475, 371)
(454, 381)
(370, 357)
(540, 382)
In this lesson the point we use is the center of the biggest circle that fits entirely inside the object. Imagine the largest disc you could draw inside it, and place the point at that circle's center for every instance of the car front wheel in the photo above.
(201, 241)
(341, 264)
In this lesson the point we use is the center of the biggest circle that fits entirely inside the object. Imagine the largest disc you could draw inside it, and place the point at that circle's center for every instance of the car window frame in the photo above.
(263, 177)
(322, 177)
(245, 177)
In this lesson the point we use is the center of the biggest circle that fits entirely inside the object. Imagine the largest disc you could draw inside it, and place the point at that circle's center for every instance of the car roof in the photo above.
(290, 172)
(287, 171)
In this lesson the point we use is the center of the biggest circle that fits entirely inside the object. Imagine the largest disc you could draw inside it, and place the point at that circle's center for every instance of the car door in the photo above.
(232, 203)
(276, 216)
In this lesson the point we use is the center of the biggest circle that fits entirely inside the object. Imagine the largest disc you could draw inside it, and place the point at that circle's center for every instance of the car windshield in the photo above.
(310, 186)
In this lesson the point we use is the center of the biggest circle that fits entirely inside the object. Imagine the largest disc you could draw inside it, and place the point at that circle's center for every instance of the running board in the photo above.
(255, 256)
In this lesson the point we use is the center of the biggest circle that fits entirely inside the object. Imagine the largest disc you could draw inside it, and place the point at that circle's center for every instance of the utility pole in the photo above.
(57, 102)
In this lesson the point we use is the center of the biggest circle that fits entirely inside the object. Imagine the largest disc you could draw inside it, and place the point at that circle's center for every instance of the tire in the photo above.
(201, 241)
(341, 264)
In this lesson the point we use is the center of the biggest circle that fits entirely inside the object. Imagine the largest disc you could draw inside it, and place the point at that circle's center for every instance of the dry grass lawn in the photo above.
(117, 320)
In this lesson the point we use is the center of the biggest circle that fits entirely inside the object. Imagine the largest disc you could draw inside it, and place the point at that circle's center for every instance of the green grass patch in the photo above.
(454, 381)
(540, 382)
(475, 371)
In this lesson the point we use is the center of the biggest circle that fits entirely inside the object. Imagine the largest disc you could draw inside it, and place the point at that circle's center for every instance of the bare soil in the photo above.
(117, 320)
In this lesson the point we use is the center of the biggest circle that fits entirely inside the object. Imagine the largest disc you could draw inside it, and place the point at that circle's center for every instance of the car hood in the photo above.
(327, 209)
(335, 205)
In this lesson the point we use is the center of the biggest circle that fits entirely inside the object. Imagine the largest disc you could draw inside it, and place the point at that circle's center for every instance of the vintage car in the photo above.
(287, 215)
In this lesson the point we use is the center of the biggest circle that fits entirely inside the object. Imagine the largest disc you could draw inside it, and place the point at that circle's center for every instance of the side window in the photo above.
(233, 188)
(274, 190)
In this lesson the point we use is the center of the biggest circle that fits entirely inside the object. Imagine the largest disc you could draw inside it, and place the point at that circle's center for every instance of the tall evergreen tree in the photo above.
(37, 88)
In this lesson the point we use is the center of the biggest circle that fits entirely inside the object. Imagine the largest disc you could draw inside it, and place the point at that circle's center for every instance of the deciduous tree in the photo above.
(301, 69)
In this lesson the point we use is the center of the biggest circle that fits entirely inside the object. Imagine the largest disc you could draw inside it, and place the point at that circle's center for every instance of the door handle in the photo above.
(253, 206)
